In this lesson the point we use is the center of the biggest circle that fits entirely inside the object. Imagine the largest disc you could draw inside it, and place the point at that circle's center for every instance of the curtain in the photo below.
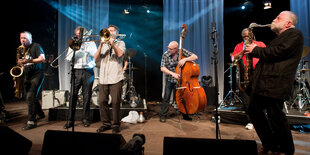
(91, 14)
(302, 9)
(198, 16)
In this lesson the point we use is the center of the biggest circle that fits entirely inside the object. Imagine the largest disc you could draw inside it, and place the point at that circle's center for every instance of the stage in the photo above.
(200, 127)
(235, 114)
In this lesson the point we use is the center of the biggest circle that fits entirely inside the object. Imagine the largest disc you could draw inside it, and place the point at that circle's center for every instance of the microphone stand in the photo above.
(77, 42)
(215, 60)
(145, 76)
(72, 87)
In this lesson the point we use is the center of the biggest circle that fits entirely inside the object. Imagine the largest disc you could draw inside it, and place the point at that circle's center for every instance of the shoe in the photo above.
(116, 130)
(86, 123)
(186, 117)
(249, 126)
(68, 125)
(103, 128)
(29, 126)
(162, 119)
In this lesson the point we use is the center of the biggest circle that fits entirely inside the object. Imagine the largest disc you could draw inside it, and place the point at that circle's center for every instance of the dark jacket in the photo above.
(275, 72)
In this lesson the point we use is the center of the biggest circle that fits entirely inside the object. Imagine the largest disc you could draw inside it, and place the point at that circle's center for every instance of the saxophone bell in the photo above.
(16, 71)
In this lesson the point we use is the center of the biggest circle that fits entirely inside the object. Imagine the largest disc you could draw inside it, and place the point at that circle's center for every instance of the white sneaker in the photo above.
(249, 126)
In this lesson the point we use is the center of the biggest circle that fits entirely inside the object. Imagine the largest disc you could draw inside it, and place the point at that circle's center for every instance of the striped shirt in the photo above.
(168, 62)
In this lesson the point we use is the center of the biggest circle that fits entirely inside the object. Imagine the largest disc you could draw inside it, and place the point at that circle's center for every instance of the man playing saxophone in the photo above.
(239, 54)
(31, 63)
(272, 84)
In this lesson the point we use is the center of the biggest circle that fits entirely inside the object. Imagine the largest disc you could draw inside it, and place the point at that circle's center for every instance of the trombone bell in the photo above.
(104, 35)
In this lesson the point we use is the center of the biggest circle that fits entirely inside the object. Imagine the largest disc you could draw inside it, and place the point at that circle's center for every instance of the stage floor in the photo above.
(200, 127)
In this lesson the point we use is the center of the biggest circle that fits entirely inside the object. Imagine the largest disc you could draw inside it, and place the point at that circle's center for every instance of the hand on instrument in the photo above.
(249, 48)
(22, 61)
(175, 75)
(182, 62)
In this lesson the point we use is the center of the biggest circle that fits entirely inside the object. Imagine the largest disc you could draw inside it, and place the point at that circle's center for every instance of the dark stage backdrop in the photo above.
(144, 34)
(35, 16)
(302, 10)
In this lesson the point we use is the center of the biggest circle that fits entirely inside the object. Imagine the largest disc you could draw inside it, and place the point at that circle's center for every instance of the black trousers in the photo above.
(32, 86)
(83, 78)
(115, 91)
(245, 102)
(271, 124)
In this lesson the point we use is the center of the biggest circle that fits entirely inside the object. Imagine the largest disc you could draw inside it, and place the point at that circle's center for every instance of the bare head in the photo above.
(173, 47)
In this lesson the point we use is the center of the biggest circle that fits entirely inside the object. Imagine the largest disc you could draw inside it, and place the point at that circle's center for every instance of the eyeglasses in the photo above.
(172, 48)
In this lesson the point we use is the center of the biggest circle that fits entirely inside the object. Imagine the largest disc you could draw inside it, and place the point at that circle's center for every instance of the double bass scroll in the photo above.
(190, 97)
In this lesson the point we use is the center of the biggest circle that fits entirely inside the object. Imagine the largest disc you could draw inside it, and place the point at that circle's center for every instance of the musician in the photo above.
(32, 78)
(169, 62)
(237, 54)
(272, 83)
(110, 55)
(84, 77)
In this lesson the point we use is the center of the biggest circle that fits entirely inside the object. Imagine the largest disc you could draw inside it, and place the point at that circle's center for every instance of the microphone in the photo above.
(213, 27)
(213, 31)
(81, 34)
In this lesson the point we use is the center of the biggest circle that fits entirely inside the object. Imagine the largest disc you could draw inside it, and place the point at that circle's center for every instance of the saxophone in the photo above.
(17, 72)
(245, 71)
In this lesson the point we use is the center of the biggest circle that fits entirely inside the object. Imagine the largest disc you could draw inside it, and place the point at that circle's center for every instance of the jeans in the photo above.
(164, 108)
(32, 86)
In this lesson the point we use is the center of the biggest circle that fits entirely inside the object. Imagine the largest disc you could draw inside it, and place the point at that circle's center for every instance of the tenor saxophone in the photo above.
(245, 71)
(17, 72)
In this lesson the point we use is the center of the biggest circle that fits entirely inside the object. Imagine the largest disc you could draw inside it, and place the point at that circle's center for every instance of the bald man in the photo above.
(169, 62)
(272, 84)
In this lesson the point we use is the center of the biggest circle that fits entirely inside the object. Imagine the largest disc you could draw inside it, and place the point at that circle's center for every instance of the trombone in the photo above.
(104, 35)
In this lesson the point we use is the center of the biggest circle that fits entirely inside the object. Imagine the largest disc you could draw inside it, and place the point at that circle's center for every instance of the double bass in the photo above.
(190, 97)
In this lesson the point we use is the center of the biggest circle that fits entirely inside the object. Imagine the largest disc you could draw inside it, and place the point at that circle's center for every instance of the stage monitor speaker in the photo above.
(81, 143)
(174, 145)
(211, 95)
(12, 142)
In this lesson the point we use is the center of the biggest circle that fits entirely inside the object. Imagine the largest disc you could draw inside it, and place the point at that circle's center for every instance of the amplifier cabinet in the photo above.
(54, 98)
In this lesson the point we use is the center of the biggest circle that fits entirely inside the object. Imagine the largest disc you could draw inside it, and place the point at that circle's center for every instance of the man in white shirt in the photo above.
(110, 56)
(84, 77)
